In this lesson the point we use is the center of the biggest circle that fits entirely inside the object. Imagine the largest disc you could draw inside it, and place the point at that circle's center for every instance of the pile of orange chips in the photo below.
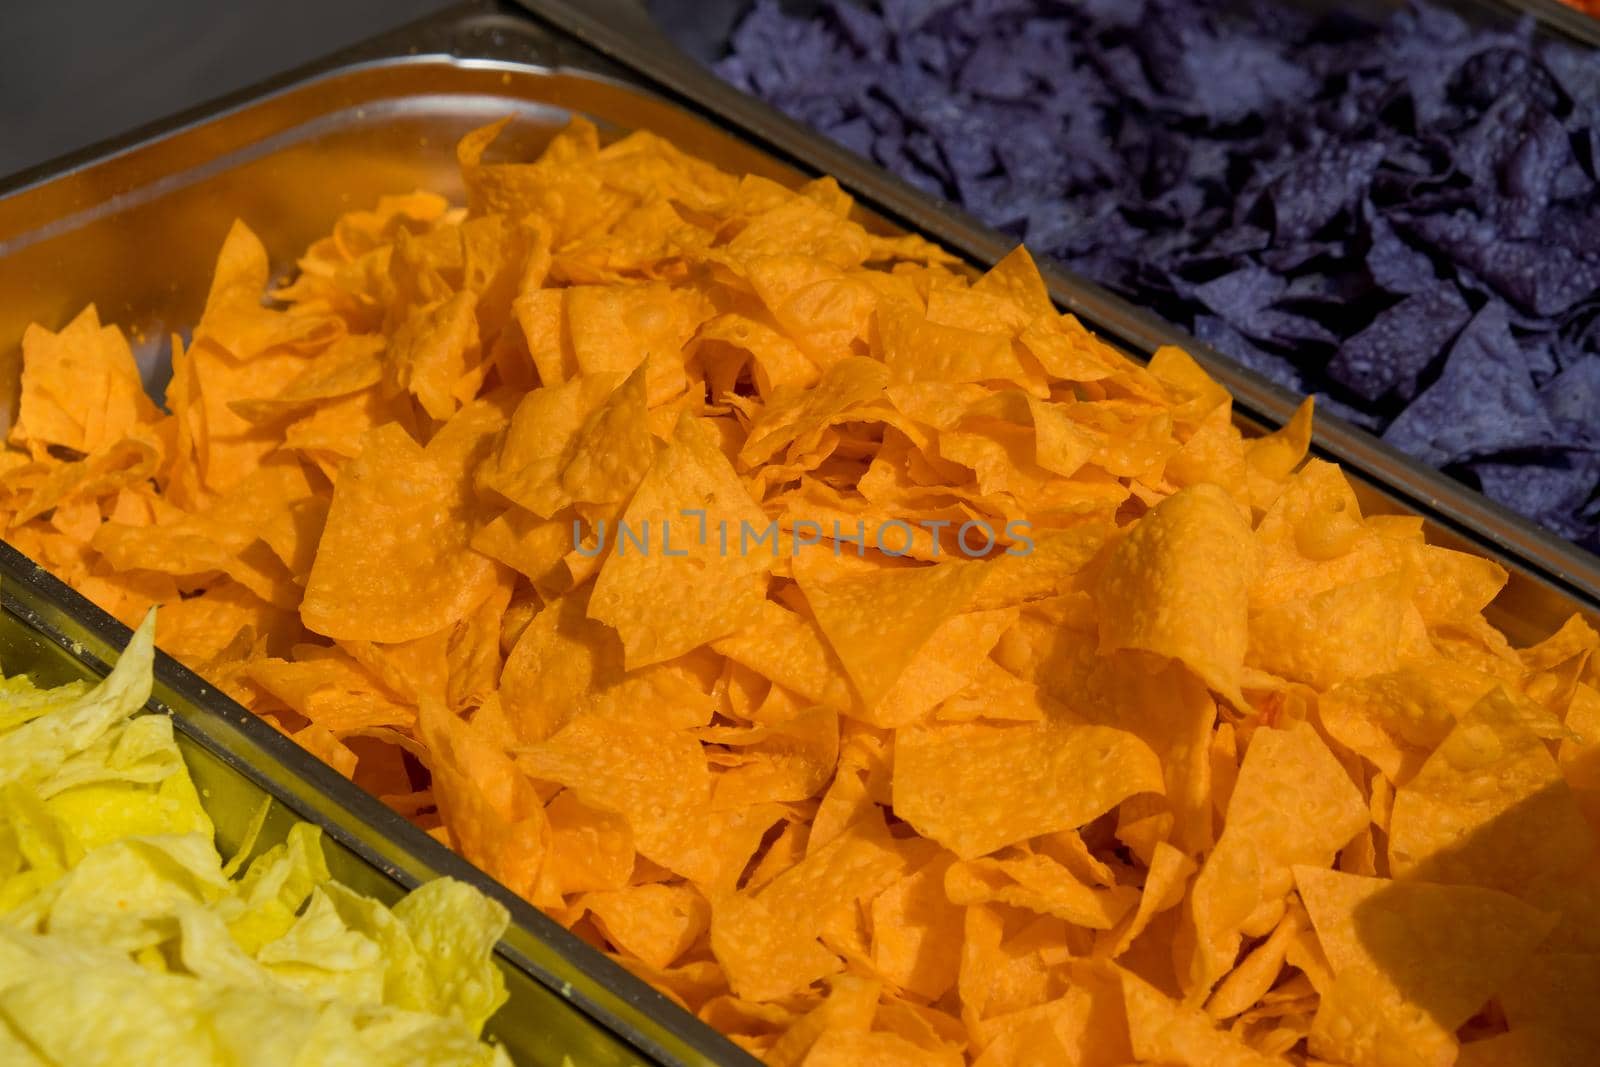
(1134, 740)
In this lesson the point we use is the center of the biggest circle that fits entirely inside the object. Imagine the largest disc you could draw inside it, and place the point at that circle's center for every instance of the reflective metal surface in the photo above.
(52, 635)
(135, 229)
(1545, 567)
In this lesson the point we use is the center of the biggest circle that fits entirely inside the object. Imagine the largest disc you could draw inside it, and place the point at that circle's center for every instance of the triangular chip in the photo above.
(670, 583)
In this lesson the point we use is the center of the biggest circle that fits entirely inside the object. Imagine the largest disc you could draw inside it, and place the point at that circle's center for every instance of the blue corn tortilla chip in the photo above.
(1397, 212)
(1393, 352)
(1561, 487)
(1572, 400)
(1483, 403)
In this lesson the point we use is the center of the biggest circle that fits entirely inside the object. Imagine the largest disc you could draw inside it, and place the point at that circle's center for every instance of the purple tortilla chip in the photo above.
(1392, 353)
(1394, 265)
(1482, 404)
(1538, 277)
(1321, 197)
(1318, 186)
(1225, 339)
(1557, 489)
(1572, 398)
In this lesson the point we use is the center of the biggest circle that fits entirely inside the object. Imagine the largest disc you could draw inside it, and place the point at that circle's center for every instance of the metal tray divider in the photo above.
(316, 793)
(624, 33)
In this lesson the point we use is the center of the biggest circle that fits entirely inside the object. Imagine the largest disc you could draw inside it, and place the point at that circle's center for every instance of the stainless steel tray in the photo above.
(134, 226)
(565, 999)
(1543, 565)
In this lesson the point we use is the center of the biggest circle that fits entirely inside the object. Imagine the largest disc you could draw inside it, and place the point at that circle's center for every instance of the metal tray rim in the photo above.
(89, 633)
(597, 986)
(638, 45)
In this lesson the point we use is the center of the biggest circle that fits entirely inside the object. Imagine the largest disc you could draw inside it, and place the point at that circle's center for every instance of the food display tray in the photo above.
(133, 226)
(1549, 574)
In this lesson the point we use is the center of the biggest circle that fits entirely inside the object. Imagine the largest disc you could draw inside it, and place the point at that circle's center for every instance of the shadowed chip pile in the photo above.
(1133, 739)
(1401, 216)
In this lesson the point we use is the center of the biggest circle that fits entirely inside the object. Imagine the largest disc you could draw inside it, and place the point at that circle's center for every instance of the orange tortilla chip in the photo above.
(655, 922)
(655, 779)
(1039, 884)
(975, 788)
(433, 353)
(1443, 949)
(80, 388)
(494, 815)
(679, 590)
(1188, 559)
(916, 932)
(876, 622)
(394, 562)
(1292, 804)
(1342, 634)
(1490, 807)
(1164, 1031)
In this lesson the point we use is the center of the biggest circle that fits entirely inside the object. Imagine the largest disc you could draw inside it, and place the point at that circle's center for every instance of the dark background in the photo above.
(73, 72)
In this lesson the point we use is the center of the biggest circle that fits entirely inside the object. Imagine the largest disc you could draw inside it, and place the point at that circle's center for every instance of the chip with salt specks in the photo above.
(977, 787)
(1490, 807)
(858, 650)
(391, 564)
(1292, 802)
(80, 388)
(1190, 559)
(877, 621)
(1445, 948)
(687, 589)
